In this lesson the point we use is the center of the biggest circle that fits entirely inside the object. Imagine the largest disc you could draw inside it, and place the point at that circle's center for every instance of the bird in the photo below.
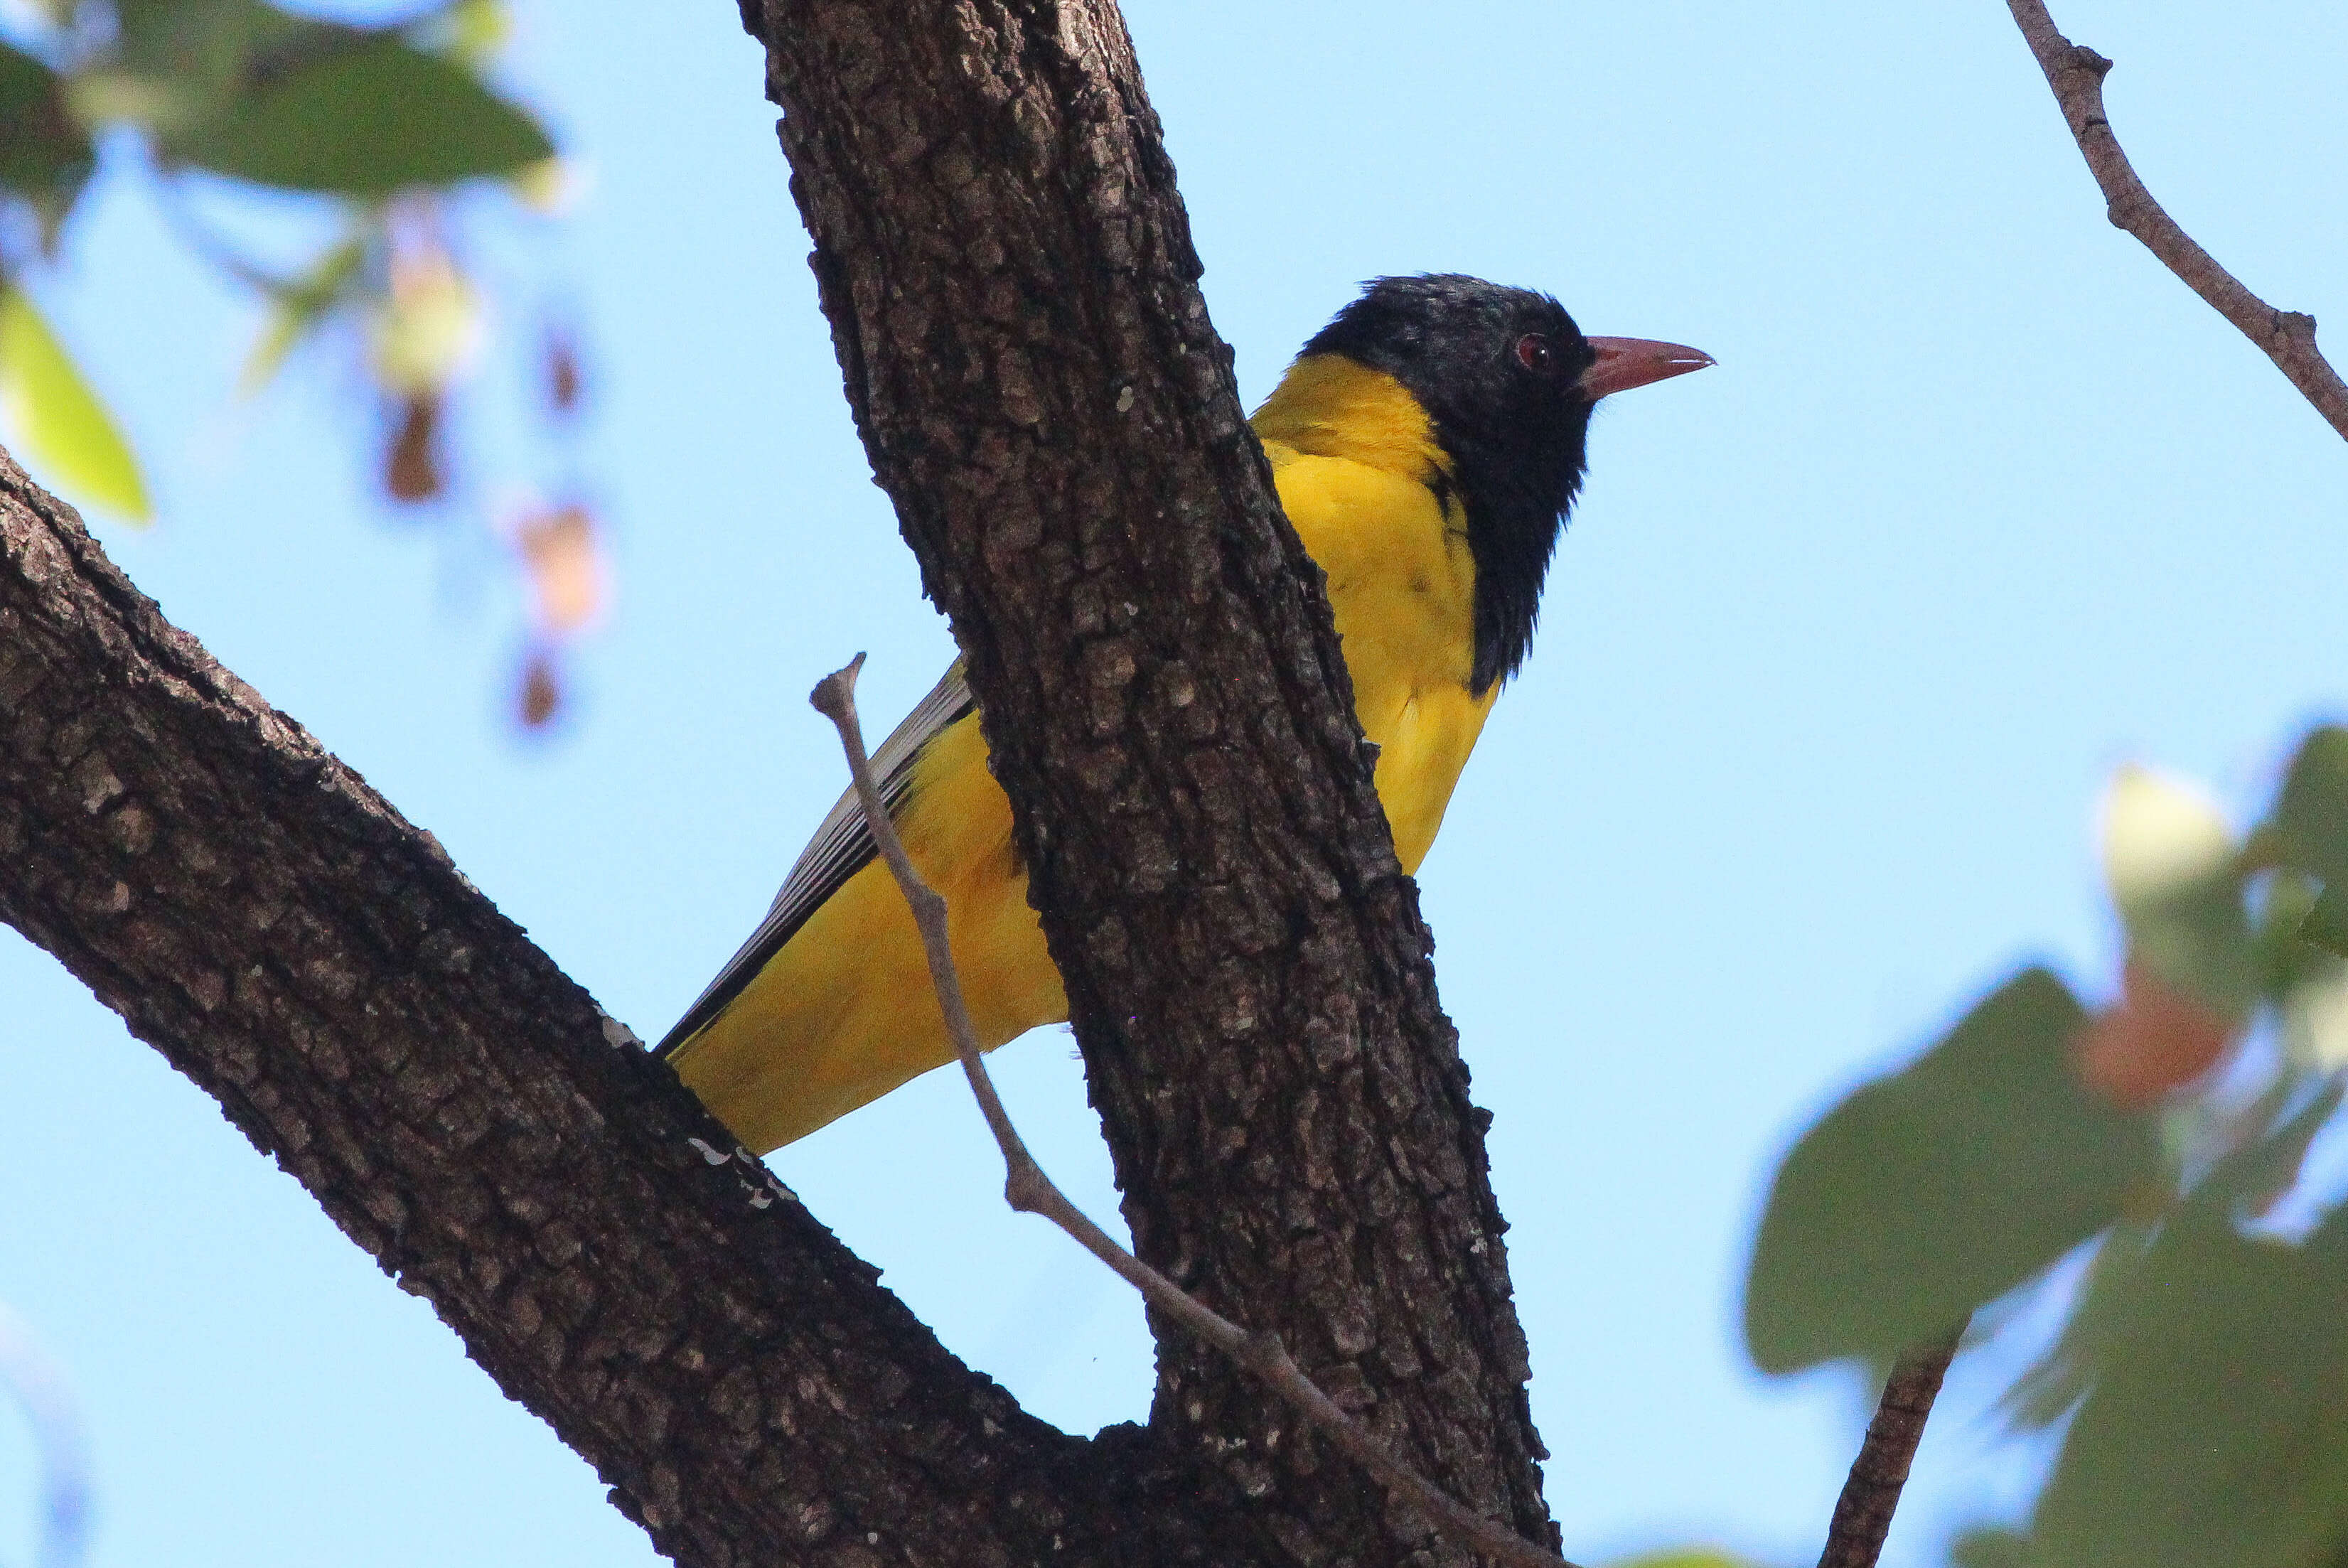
(1426, 445)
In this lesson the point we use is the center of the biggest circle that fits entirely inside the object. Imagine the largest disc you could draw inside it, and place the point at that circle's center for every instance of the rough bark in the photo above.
(361, 1013)
(1008, 272)
(1012, 291)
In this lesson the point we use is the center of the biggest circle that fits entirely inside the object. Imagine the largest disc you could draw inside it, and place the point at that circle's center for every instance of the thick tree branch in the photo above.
(2076, 73)
(1011, 285)
(1030, 1191)
(1011, 289)
(1862, 1515)
(469, 1118)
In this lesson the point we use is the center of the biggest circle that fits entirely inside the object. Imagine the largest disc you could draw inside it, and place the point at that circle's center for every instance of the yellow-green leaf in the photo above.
(470, 32)
(300, 308)
(57, 420)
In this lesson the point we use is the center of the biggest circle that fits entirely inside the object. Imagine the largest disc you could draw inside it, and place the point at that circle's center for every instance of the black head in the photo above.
(1498, 371)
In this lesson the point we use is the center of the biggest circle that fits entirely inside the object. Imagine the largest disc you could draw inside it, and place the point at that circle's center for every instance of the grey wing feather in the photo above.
(841, 846)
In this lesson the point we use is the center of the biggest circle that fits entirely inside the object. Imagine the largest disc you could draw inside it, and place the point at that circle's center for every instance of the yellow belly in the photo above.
(844, 1013)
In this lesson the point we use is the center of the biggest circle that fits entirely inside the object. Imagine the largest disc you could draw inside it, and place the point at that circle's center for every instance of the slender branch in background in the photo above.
(198, 235)
(1029, 1191)
(1862, 1514)
(2077, 75)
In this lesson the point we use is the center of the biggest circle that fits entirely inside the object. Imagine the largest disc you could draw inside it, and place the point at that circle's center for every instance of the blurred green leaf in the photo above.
(1685, 1557)
(177, 63)
(2311, 814)
(296, 310)
(364, 120)
(63, 426)
(2245, 1180)
(2198, 939)
(2264, 1167)
(45, 156)
(2217, 1429)
(2310, 984)
(2326, 924)
(1933, 1190)
(1988, 1546)
(2286, 958)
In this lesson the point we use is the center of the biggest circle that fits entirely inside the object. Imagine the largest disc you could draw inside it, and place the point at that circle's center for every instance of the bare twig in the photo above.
(2077, 75)
(1862, 1514)
(1029, 1191)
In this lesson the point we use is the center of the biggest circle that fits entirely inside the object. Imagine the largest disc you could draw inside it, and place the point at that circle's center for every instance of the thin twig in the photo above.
(2288, 336)
(1029, 1191)
(1862, 1514)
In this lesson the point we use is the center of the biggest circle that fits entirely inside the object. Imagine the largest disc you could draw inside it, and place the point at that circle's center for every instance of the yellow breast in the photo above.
(1359, 471)
(844, 1012)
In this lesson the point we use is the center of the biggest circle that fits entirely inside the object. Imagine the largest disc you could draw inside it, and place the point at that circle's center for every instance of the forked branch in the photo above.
(2076, 73)
(1030, 1191)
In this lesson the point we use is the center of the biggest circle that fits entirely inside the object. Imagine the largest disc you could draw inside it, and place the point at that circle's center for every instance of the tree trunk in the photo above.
(1011, 290)
(1013, 294)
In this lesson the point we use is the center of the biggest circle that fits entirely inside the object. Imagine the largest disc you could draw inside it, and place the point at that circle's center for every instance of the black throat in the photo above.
(1517, 437)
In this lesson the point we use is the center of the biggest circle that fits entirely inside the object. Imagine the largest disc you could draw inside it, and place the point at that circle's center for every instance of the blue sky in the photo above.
(1848, 630)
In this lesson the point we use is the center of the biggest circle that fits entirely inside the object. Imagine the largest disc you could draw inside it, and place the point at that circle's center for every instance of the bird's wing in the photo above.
(841, 846)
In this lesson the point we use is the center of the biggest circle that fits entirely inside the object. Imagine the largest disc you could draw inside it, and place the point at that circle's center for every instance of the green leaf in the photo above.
(45, 155)
(2217, 1431)
(176, 64)
(1685, 1557)
(2326, 924)
(1929, 1192)
(63, 426)
(1988, 1546)
(209, 43)
(2105, 1308)
(297, 310)
(364, 120)
(2311, 814)
(2285, 956)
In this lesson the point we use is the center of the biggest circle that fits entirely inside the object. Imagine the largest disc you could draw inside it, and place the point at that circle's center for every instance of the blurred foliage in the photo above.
(1988, 1547)
(1943, 1186)
(2202, 1360)
(45, 397)
(376, 127)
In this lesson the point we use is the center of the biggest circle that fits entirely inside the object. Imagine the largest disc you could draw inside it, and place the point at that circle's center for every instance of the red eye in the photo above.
(1534, 354)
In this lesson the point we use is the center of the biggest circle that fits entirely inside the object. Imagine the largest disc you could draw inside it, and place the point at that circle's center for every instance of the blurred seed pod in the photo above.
(412, 469)
(571, 583)
(563, 380)
(539, 698)
(427, 329)
(2157, 1038)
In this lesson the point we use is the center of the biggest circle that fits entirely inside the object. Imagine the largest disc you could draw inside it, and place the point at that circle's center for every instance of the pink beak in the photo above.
(1627, 362)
